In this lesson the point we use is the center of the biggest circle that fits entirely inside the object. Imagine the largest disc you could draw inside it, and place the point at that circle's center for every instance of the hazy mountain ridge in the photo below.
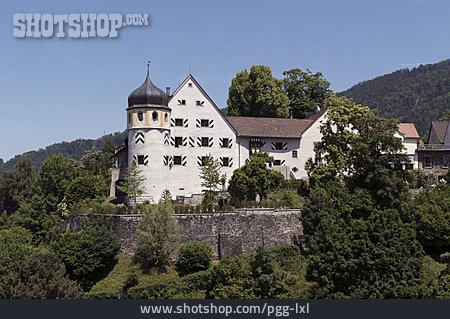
(74, 150)
(418, 95)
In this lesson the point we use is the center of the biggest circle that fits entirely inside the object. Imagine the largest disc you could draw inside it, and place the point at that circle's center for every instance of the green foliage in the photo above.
(133, 185)
(157, 236)
(289, 199)
(19, 185)
(419, 95)
(430, 209)
(26, 272)
(270, 281)
(359, 148)
(348, 234)
(38, 276)
(430, 275)
(210, 179)
(54, 177)
(194, 257)
(231, 279)
(34, 216)
(306, 91)
(86, 186)
(88, 252)
(257, 93)
(254, 178)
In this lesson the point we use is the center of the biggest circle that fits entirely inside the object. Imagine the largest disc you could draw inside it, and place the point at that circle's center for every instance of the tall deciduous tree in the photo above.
(134, 182)
(306, 91)
(257, 93)
(157, 236)
(359, 148)
(211, 178)
(54, 177)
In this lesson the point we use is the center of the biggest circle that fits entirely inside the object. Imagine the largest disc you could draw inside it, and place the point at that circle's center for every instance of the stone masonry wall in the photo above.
(228, 233)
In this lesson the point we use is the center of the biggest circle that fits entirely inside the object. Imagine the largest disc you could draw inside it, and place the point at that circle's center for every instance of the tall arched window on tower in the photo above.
(140, 116)
(155, 116)
(166, 117)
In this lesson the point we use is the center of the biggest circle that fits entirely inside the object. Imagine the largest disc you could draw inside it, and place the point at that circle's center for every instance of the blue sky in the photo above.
(55, 89)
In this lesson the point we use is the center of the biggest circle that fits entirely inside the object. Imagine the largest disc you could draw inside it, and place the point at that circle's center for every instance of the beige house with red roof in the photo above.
(410, 138)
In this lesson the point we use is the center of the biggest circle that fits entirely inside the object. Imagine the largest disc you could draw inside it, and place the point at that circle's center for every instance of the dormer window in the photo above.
(155, 116)
(140, 116)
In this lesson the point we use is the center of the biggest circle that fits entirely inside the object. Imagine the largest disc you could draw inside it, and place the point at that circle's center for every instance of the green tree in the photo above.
(18, 186)
(88, 252)
(134, 182)
(254, 178)
(306, 91)
(430, 209)
(54, 178)
(356, 250)
(194, 257)
(39, 276)
(257, 93)
(359, 148)
(210, 179)
(85, 186)
(157, 236)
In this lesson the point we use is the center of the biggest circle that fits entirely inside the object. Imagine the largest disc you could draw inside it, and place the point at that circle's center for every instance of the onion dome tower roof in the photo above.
(148, 95)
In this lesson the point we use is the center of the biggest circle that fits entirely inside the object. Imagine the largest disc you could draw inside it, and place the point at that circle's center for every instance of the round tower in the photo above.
(148, 126)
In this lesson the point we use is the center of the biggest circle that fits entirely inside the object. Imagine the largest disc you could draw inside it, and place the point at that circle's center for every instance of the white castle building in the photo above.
(170, 134)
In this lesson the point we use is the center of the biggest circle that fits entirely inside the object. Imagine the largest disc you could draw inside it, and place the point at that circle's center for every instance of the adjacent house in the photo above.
(433, 157)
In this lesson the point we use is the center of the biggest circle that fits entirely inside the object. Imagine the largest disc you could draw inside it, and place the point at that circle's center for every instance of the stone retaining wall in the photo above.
(228, 233)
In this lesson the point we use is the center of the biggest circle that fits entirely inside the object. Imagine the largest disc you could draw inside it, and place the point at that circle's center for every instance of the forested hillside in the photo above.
(419, 95)
(74, 150)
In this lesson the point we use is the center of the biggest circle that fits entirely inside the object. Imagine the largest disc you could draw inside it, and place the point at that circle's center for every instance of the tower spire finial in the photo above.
(148, 68)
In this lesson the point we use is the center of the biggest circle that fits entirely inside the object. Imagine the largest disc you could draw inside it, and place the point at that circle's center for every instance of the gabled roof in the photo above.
(408, 130)
(439, 128)
(191, 77)
(269, 127)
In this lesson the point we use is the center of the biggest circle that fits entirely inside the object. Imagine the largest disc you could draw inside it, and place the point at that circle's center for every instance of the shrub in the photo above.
(200, 280)
(193, 257)
(165, 289)
(288, 199)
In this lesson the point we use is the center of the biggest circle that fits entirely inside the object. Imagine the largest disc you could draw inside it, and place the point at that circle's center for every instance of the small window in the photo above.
(177, 160)
(140, 116)
(204, 123)
(204, 159)
(294, 154)
(178, 122)
(155, 116)
(178, 141)
(140, 159)
(225, 161)
(427, 162)
(190, 84)
(199, 103)
(276, 162)
(278, 146)
(445, 162)
(181, 102)
(129, 118)
(205, 141)
(166, 117)
(225, 142)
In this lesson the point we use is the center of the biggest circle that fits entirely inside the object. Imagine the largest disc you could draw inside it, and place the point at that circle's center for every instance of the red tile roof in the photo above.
(408, 130)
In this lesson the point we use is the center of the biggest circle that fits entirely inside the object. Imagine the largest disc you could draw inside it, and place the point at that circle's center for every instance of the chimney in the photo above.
(168, 90)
